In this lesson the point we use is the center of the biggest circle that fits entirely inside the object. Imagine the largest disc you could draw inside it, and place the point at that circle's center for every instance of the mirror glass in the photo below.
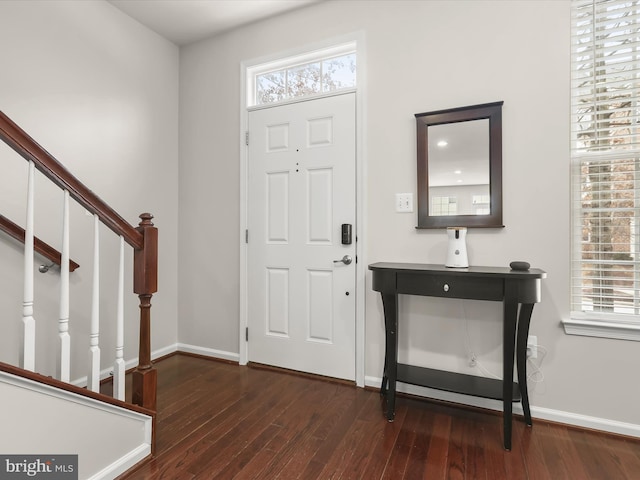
(460, 167)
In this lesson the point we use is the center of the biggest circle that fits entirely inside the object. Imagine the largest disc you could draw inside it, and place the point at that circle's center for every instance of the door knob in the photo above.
(346, 260)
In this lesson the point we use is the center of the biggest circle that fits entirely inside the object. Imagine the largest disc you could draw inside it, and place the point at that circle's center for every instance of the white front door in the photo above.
(301, 190)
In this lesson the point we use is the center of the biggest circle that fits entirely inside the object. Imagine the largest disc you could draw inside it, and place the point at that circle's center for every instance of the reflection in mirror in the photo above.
(459, 168)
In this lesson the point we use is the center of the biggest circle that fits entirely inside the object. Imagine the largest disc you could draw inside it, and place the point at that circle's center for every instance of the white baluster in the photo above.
(118, 369)
(93, 380)
(28, 353)
(63, 364)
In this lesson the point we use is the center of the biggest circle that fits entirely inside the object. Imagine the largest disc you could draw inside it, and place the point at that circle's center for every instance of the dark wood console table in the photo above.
(517, 290)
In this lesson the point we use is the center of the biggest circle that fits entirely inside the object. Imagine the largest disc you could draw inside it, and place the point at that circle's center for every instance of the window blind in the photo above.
(605, 152)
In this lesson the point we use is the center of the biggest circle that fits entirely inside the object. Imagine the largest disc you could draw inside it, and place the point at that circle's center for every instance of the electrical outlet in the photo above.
(532, 347)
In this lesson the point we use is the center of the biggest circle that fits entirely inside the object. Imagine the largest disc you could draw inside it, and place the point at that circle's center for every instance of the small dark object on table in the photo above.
(519, 266)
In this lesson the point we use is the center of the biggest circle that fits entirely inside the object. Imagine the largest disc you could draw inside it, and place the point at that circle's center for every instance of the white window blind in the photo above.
(605, 94)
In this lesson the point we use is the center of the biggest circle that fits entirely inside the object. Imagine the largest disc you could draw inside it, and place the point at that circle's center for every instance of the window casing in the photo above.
(605, 155)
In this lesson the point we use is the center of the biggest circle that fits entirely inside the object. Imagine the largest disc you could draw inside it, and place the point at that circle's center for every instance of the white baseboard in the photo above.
(107, 372)
(123, 464)
(558, 416)
(586, 421)
(161, 352)
(208, 352)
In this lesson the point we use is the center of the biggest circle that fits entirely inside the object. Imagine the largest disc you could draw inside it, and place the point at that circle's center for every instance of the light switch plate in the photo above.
(404, 202)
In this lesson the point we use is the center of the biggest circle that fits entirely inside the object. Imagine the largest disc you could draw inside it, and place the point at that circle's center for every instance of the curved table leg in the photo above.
(526, 309)
(508, 346)
(390, 374)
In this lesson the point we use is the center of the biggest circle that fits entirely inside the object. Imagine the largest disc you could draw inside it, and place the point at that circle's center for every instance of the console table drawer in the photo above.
(453, 286)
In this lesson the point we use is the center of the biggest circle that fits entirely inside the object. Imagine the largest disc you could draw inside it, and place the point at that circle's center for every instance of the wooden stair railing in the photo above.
(143, 239)
(43, 248)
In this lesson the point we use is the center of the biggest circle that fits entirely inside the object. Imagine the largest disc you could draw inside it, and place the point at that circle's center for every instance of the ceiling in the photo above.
(186, 21)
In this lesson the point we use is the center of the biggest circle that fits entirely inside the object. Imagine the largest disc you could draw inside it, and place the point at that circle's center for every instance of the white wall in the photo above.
(420, 56)
(100, 92)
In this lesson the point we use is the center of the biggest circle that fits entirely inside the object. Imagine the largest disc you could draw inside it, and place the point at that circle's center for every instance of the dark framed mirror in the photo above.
(460, 167)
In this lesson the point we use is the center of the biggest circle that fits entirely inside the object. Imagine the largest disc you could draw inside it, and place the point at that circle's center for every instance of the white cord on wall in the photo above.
(536, 376)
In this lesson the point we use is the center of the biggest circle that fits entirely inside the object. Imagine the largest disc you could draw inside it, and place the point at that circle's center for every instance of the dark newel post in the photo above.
(145, 284)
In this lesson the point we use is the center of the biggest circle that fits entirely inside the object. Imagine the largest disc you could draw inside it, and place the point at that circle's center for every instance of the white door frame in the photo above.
(361, 266)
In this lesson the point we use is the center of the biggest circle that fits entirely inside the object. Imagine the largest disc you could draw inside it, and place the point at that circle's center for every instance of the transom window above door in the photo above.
(308, 75)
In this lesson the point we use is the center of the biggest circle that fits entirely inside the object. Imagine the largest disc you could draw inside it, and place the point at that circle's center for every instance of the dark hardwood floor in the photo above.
(223, 421)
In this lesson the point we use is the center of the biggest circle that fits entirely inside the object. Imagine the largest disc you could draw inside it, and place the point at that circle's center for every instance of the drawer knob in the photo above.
(446, 287)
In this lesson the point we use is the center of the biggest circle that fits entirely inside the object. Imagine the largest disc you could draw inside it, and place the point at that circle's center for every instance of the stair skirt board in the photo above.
(45, 420)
